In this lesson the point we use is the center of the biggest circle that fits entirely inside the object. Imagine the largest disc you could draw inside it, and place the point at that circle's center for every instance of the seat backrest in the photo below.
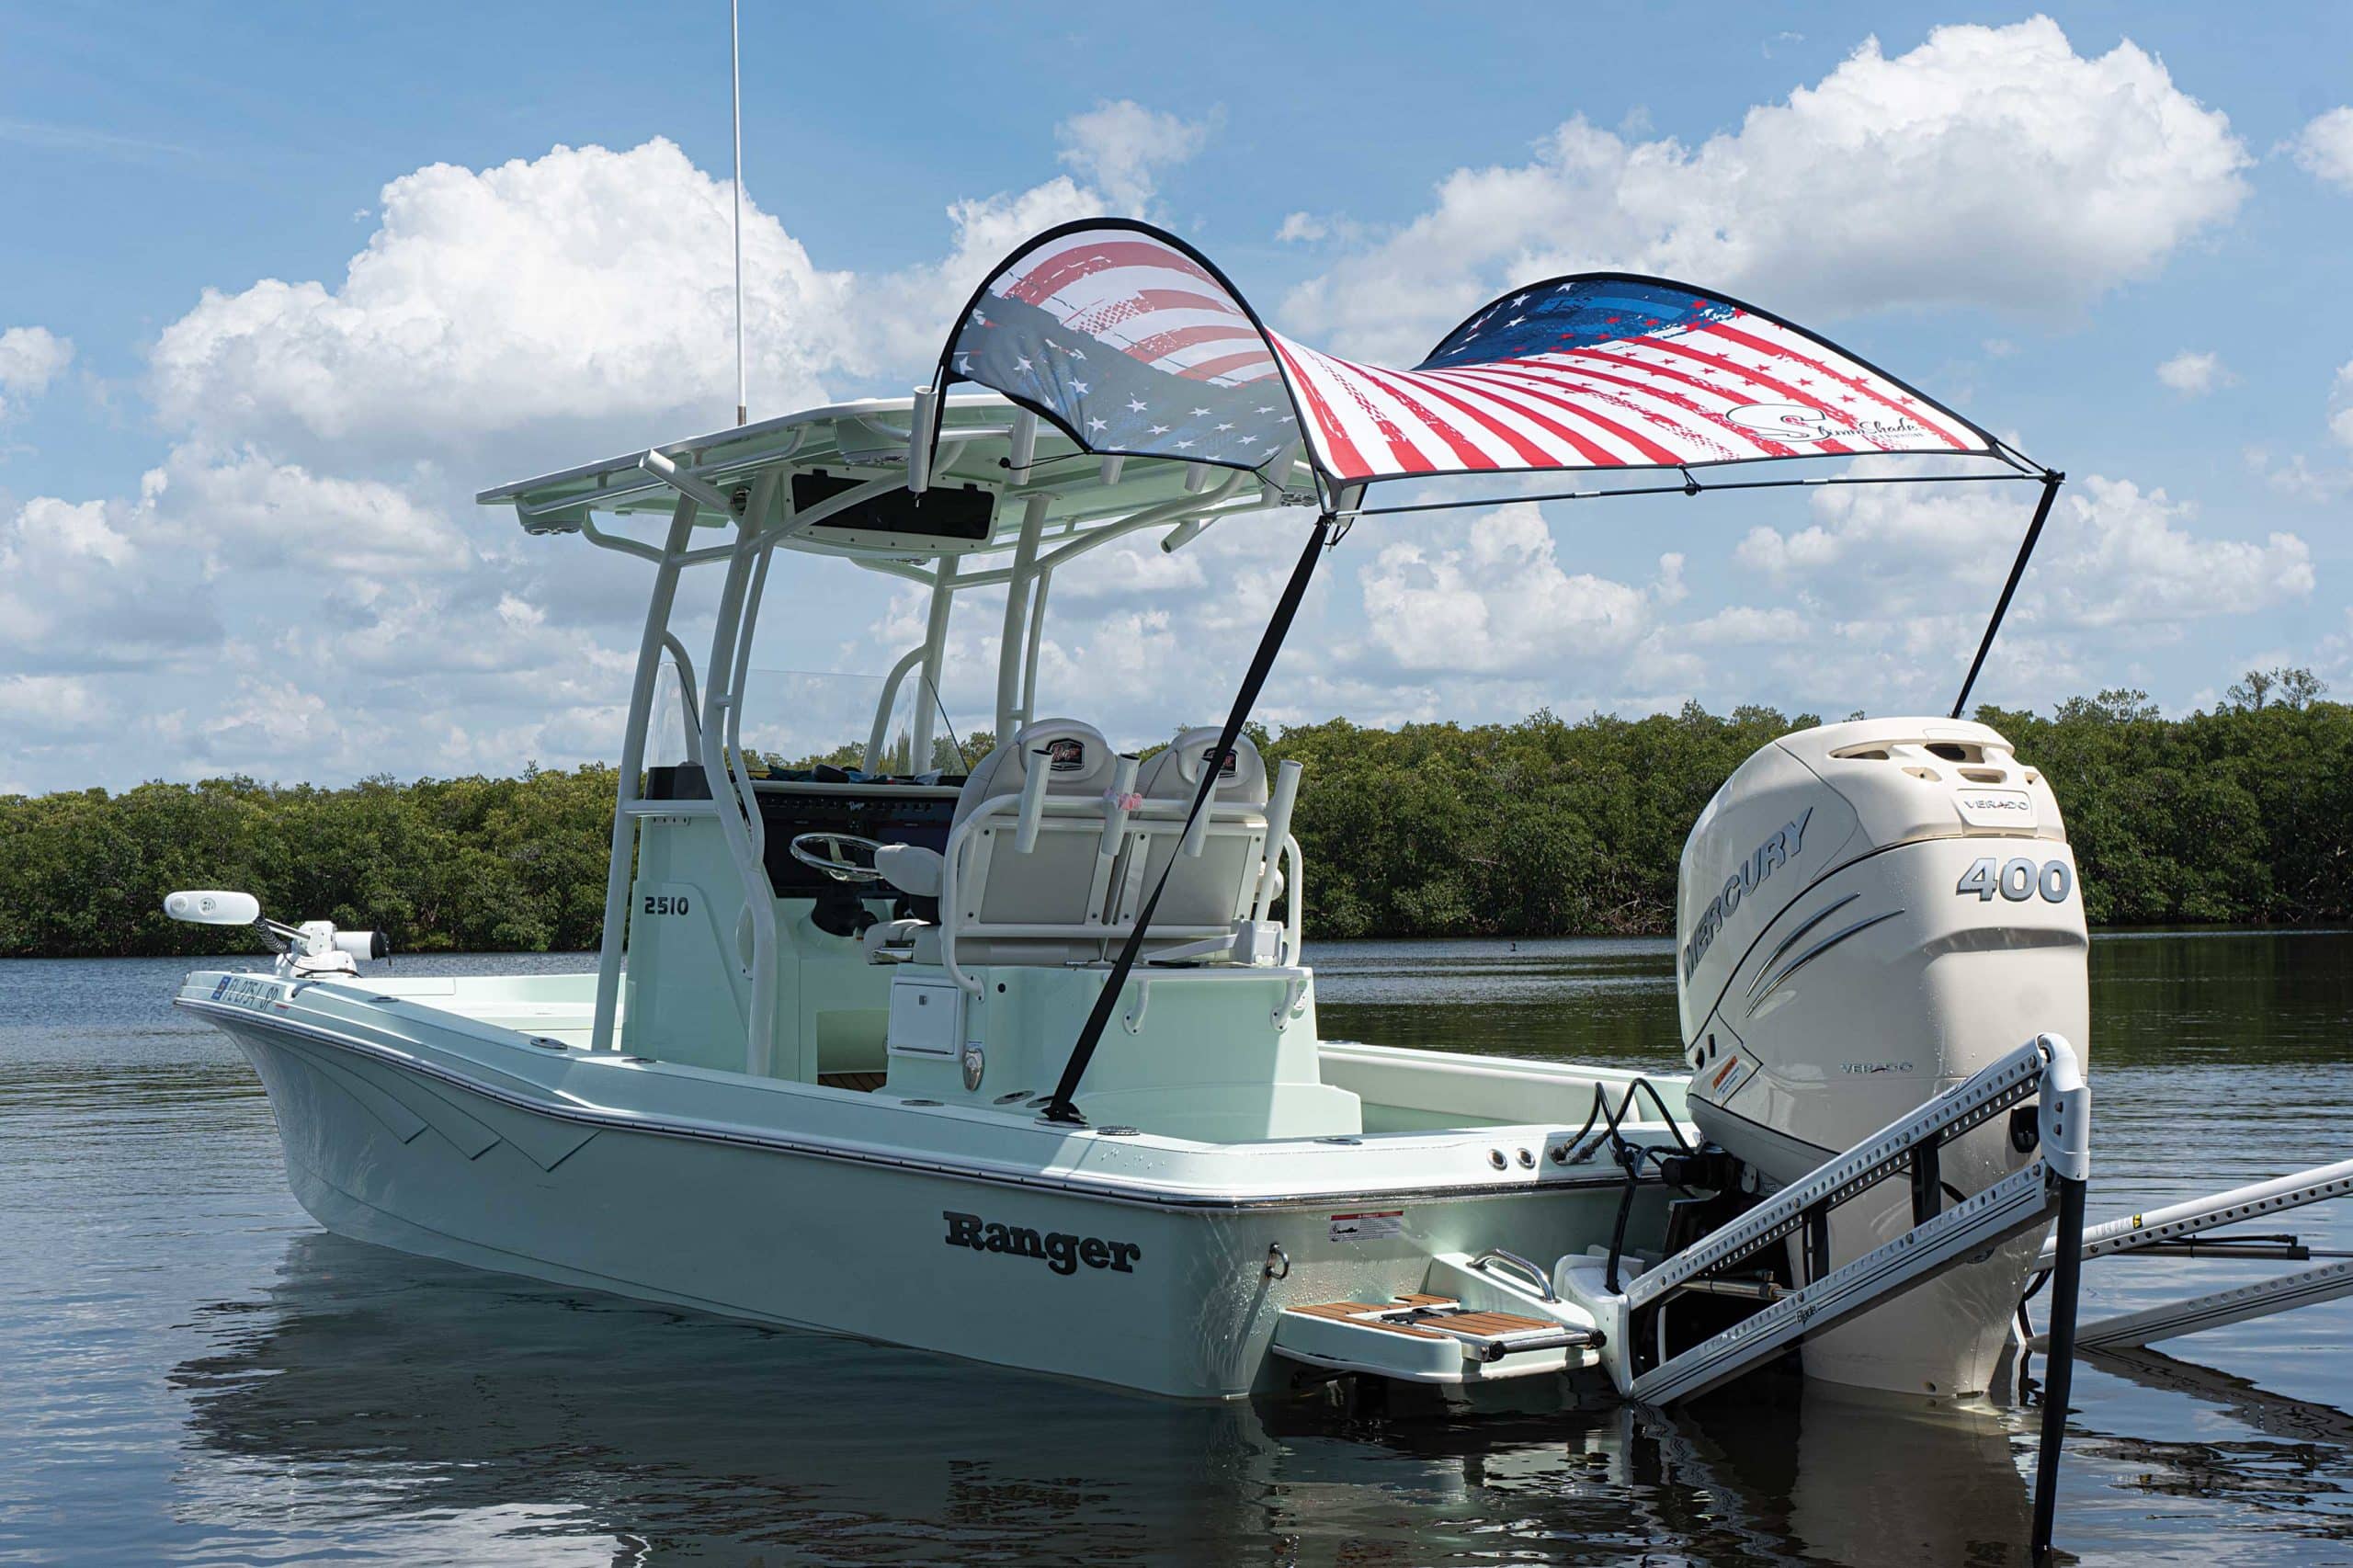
(1061, 881)
(1212, 888)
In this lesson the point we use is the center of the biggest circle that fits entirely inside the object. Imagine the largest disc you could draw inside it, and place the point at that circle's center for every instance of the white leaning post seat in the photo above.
(1213, 887)
(1059, 881)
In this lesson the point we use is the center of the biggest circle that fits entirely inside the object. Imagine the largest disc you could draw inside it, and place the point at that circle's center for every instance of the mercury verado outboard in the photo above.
(1869, 912)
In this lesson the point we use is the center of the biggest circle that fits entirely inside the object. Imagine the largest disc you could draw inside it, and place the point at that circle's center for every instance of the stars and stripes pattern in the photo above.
(1135, 345)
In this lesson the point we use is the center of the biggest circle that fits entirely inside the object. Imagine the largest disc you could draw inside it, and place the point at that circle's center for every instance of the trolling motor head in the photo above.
(313, 951)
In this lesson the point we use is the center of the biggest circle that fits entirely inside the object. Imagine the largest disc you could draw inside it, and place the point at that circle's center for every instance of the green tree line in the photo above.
(1543, 827)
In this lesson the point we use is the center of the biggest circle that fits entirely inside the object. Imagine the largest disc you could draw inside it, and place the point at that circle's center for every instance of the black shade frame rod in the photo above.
(1694, 487)
(1063, 1107)
(2052, 480)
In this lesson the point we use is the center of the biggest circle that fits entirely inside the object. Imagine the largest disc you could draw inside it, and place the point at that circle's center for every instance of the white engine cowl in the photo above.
(1868, 913)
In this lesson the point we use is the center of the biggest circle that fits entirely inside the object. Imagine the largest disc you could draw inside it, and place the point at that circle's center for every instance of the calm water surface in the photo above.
(191, 1371)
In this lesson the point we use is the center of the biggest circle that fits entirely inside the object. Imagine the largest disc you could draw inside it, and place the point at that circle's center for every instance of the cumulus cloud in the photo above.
(30, 358)
(578, 287)
(1496, 602)
(2325, 148)
(2193, 374)
(76, 594)
(1123, 146)
(2340, 408)
(2115, 554)
(1989, 166)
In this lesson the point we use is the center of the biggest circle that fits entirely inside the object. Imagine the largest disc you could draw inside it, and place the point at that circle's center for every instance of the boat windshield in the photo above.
(796, 722)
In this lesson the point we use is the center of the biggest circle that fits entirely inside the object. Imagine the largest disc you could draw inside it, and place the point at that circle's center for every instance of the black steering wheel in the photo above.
(829, 852)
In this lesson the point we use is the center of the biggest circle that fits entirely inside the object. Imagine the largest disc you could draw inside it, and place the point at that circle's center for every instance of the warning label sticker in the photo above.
(1376, 1225)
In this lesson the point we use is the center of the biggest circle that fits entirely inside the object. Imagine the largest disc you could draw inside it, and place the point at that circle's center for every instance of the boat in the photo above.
(1015, 1057)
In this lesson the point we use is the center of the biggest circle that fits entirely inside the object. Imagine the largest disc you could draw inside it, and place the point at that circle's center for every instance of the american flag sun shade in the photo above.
(1134, 344)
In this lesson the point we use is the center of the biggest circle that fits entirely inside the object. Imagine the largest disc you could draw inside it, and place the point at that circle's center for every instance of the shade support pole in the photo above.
(1063, 1107)
(2052, 480)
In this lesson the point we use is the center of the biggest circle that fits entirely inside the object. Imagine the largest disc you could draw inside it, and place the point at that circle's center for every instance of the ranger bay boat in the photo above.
(1018, 1060)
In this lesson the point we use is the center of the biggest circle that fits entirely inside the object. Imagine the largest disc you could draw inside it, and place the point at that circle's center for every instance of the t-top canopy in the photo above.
(1135, 344)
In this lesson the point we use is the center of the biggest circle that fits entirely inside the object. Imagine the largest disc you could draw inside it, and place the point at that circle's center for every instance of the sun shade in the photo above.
(1134, 344)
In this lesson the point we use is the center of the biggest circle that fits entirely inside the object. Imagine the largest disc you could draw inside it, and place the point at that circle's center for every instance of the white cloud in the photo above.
(30, 358)
(1739, 624)
(77, 592)
(2114, 555)
(2340, 410)
(308, 547)
(1302, 228)
(581, 287)
(2193, 374)
(2325, 148)
(1122, 146)
(1497, 602)
(1989, 166)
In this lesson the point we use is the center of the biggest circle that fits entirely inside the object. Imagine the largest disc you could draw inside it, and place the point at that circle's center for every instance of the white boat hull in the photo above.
(1168, 1294)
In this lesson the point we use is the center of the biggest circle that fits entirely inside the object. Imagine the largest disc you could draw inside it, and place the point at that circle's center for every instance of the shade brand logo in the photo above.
(1776, 851)
(1058, 1250)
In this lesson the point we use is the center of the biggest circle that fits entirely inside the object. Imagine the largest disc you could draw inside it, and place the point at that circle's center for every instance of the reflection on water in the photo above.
(193, 1373)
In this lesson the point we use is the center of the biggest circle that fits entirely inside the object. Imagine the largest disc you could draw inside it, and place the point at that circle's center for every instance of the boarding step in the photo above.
(1428, 1339)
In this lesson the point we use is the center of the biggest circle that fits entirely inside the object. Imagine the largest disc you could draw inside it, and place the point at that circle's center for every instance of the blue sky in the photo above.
(285, 285)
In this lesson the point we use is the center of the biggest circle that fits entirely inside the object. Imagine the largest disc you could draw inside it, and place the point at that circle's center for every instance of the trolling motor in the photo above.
(313, 951)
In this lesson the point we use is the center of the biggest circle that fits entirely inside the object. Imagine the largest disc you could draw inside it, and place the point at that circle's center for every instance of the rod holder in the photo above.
(1033, 798)
(924, 421)
(1025, 446)
(1197, 832)
(1279, 808)
(1115, 811)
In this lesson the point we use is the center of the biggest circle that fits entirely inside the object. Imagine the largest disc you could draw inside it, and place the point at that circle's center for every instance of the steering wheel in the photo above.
(827, 851)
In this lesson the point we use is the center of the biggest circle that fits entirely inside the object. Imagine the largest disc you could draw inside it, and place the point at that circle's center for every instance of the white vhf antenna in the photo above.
(736, 73)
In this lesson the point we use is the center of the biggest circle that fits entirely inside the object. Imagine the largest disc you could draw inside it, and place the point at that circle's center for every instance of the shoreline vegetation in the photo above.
(2240, 815)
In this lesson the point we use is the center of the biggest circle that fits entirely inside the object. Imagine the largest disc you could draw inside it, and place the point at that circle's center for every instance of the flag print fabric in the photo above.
(1135, 344)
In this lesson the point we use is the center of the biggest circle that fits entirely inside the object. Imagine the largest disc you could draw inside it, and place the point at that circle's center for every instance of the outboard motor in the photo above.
(1867, 913)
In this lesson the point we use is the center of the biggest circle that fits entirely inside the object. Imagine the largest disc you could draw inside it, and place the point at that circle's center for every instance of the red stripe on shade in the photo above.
(1716, 423)
(1760, 378)
(1401, 449)
(1226, 364)
(1345, 455)
(1522, 383)
(1725, 330)
(1162, 343)
(1594, 455)
(1466, 451)
(1040, 282)
(1528, 451)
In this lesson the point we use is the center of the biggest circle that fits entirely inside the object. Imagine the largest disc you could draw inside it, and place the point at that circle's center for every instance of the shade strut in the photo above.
(1063, 1107)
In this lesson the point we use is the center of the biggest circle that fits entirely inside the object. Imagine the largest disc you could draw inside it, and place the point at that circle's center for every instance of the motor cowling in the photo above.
(1867, 913)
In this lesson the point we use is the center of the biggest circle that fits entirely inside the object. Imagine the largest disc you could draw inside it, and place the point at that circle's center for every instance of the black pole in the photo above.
(2052, 480)
(2066, 1277)
(1063, 1107)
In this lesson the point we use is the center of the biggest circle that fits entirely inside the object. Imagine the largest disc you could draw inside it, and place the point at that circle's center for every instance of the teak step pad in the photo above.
(1448, 1318)
(1364, 1315)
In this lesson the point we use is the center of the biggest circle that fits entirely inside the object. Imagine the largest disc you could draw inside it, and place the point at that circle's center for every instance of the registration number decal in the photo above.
(250, 991)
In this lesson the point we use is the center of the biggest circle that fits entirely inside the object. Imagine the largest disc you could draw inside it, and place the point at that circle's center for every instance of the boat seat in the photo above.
(1061, 881)
(1214, 883)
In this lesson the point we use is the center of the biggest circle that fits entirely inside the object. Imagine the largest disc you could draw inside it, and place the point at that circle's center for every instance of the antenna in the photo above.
(735, 75)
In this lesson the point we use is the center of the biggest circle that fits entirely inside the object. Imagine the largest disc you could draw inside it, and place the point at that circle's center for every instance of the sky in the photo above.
(283, 286)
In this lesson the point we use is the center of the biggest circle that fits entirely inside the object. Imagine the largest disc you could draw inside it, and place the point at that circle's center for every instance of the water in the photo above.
(191, 1371)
